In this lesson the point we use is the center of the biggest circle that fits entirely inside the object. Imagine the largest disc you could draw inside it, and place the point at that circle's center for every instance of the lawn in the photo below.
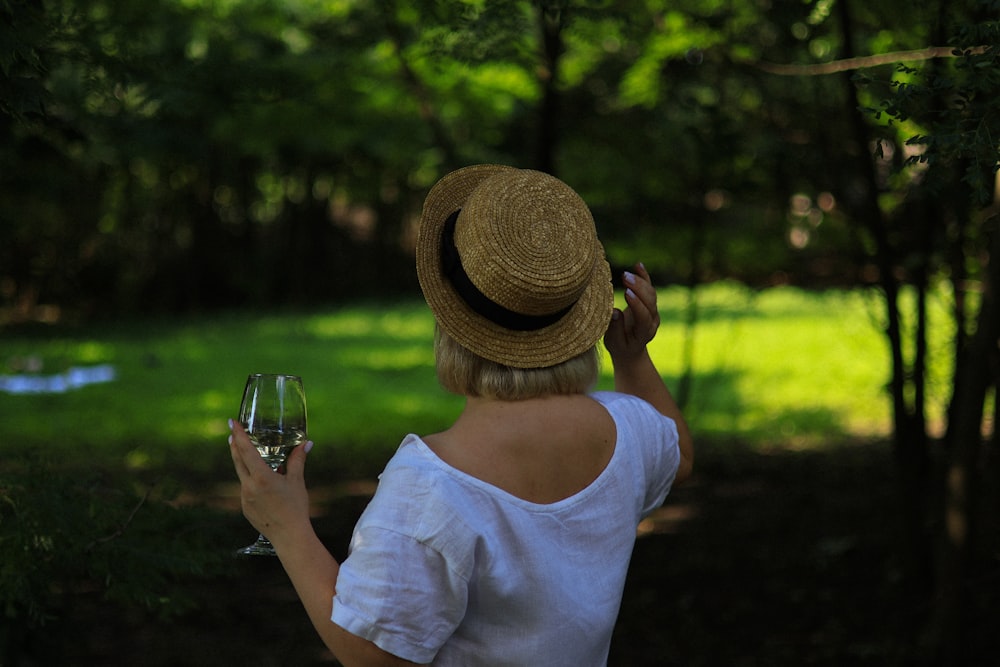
(775, 366)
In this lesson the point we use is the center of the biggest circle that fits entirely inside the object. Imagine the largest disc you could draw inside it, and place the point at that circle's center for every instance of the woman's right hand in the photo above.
(273, 504)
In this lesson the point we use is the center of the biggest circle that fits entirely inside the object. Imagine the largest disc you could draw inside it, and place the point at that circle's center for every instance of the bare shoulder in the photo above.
(540, 450)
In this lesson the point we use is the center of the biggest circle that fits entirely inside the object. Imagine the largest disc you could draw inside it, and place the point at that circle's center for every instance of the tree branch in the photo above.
(862, 62)
(124, 526)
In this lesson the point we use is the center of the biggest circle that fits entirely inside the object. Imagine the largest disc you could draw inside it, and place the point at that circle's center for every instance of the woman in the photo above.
(504, 539)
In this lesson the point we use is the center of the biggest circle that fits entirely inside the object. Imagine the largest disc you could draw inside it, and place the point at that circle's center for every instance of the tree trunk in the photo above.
(551, 19)
(909, 436)
(961, 488)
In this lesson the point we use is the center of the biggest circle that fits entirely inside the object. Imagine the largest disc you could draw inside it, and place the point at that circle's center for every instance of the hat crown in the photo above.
(527, 241)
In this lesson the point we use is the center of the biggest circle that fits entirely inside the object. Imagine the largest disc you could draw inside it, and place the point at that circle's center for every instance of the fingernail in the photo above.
(230, 438)
(615, 314)
(309, 446)
(630, 278)
(629, 294)
(642, 266)
(230, 424)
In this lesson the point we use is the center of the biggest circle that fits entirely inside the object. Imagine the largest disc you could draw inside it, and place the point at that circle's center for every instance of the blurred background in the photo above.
(192, 190)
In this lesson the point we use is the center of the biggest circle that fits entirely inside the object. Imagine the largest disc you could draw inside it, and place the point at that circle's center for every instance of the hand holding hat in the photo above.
(630, 330)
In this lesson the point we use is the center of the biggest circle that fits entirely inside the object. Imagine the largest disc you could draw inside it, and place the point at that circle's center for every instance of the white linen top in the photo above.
(446, 568)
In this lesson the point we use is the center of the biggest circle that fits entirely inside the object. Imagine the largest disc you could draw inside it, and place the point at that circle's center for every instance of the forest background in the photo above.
(187, 158)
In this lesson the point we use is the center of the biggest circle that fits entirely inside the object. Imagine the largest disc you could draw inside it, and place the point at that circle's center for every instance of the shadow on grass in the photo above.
(777, 558)
(783, 558)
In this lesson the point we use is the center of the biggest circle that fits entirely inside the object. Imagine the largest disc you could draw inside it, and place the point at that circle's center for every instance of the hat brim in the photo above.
(576, 332)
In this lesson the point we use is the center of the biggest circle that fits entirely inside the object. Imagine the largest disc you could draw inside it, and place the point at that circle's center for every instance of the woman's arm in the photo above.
(278, 506)
(635, 373)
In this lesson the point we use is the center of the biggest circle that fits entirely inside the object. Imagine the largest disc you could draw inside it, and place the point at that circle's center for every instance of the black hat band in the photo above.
(451, 265)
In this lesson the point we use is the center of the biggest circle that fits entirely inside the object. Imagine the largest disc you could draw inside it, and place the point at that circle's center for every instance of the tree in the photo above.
(181, 147)
(954, 212)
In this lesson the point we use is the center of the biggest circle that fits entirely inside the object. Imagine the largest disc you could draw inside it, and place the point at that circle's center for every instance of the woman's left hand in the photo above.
(276, 505)
(630, 330)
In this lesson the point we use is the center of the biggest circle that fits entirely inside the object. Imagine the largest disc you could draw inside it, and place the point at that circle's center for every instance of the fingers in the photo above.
(636, 316)
(641, 285)
(245, 457)
(641, 300)
(640, 269)
(632, 327)
(296, 463)
(642, 318)
(234, 453)
(248, 461)
(627, 314)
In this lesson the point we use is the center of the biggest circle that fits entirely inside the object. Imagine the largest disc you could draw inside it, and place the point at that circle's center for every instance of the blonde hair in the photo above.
(466, 373)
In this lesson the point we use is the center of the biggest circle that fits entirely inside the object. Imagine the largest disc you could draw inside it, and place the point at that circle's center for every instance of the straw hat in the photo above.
(510, 264)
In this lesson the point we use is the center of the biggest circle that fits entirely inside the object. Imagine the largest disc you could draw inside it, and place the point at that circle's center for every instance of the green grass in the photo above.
(781, 366)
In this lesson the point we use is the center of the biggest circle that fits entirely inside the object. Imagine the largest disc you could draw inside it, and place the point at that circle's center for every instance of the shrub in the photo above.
(64, 532)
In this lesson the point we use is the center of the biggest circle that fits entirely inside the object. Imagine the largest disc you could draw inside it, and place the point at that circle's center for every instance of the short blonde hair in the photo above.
(466, 373)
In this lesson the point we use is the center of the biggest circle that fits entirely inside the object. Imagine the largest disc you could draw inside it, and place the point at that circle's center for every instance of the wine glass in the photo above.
(273, 412)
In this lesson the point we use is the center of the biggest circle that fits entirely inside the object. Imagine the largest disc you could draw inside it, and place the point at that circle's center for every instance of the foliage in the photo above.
(190, 155)
(952, 110)
(71, 530)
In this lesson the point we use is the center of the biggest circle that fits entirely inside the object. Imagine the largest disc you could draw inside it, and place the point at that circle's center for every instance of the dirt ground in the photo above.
(786, 558)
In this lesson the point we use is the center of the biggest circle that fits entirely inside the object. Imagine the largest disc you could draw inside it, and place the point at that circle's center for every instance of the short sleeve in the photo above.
(663, 457)
(399, 593)
(652, 442)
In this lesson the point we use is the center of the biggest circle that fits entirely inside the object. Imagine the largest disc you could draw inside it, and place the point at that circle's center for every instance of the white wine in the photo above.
(275, 446)
(273, 411)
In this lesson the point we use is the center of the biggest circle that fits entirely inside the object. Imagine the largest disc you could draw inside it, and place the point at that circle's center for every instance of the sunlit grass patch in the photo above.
(781, 366)
(777, 365)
